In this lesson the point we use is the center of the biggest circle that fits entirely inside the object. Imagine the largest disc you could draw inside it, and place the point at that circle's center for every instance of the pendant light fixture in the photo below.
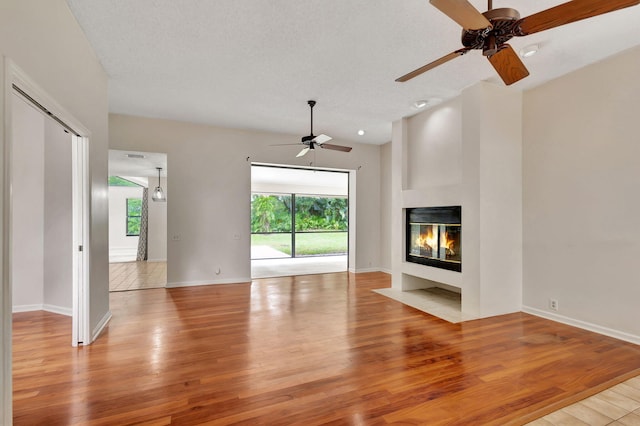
(158, 194)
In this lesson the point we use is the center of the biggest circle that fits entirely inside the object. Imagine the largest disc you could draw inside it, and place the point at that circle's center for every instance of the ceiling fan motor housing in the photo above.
(502, 21)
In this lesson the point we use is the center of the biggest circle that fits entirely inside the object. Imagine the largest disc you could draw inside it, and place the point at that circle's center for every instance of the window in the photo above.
(134, 214)
(118, 181)
(292, 225)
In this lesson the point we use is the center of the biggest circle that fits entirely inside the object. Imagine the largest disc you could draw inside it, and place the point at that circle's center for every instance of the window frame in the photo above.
(129, 216)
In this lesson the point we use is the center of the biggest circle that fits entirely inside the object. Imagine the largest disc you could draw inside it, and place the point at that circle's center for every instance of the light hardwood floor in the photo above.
(313, 349)
(124, 276)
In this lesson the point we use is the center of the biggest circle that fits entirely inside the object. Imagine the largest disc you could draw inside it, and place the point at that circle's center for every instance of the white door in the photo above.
(80, 316)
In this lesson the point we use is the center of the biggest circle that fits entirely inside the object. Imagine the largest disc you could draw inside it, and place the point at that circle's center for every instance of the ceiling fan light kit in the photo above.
(490, 31)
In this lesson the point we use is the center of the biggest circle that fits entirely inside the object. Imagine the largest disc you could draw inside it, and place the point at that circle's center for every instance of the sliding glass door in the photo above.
(271, 225)
(321, 225)
(296, 225)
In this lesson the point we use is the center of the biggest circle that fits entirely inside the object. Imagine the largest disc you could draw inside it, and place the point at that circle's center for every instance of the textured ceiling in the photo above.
(253, 64)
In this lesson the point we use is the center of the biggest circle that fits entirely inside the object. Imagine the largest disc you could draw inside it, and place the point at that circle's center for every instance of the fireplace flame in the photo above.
(430, 240)
(448, 244)
(427, 240)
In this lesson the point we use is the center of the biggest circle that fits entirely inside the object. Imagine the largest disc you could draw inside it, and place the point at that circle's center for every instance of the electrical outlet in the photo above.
(553, 304)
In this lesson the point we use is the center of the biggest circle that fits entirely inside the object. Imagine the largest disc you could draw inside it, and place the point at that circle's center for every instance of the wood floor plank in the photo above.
(316, 349)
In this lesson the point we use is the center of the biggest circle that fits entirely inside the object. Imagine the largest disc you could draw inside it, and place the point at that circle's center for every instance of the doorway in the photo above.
(299, 221)
(137, 220)
(48, 209)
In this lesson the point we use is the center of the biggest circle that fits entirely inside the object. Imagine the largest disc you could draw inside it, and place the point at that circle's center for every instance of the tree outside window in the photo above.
(134, 215)
(321, 225)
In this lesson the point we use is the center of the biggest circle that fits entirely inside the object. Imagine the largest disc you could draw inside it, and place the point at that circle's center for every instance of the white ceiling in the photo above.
(253, 64)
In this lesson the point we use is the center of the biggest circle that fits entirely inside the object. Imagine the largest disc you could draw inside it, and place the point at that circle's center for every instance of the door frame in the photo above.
(351, 199)
(15, 77)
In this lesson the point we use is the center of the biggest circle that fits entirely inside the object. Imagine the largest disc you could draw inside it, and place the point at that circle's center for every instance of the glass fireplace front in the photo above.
(434, 237)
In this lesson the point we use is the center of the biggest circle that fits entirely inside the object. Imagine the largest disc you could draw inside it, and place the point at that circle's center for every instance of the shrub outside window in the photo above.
(134, 215)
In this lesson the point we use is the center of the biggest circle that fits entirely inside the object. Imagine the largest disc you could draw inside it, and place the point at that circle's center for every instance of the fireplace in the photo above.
(434, 237)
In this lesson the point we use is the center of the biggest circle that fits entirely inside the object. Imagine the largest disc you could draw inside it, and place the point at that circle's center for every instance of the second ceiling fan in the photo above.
(489, 31)
(312, 141)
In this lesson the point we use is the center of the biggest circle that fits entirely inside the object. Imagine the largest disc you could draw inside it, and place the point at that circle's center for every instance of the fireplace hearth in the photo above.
(434, 237)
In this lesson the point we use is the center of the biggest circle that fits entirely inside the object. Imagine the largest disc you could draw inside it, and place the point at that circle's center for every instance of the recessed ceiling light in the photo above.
(426, 102)
(529, 50)
(361, 132)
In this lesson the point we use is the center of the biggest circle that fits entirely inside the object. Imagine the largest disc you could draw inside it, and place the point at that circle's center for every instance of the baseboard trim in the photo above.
(157, 260)
(100, 326)
(616, 334)
(43, 307)
(57, 310)
(208, 282)
(245, 280)
(363, 270)
(27, 308)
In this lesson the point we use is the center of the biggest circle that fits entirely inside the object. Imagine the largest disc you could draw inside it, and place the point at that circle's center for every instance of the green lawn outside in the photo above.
(307, 244)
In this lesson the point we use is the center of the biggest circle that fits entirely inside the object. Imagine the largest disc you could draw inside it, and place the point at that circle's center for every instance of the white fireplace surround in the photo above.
(466, 152)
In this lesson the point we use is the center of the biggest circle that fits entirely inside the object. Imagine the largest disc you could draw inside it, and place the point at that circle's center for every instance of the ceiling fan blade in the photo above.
(336, 147)
(285, 144)
(463, 12)
(432, 65)
(508, 65)
(320, 139)
(567, 13)
(303, 152)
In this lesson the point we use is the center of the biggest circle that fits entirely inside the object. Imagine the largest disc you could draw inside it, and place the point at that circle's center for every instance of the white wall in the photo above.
(44, 40)
(157, 232)
(491, 200)
(208, 212)
(120, 244)
(58, 220)
(581, 182)
(434, 154)
(28, 206)
(385, 207)
(41, 212)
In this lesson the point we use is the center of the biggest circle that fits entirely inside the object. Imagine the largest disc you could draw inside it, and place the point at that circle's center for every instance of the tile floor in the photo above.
(267, 268)
(619, 405)
(137, 275)
(435, 301)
